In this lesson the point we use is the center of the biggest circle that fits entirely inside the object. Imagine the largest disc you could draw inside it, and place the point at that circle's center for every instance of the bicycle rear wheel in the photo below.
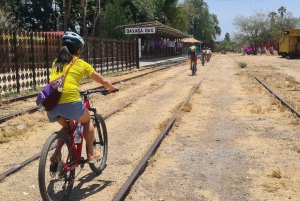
(100, 143)
(194, 69)
(54, 182)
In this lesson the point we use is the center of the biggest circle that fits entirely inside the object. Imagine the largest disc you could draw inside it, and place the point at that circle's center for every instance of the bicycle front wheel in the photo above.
(100, 143)
(54, 182)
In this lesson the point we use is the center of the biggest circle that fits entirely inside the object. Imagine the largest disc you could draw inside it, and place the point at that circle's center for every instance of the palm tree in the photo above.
(272, 15)
(281, 11)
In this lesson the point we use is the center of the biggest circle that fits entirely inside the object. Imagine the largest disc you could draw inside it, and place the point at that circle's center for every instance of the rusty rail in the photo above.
(22, 164)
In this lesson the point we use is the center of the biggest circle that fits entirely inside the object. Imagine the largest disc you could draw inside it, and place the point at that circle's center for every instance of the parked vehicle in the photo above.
(289, 43)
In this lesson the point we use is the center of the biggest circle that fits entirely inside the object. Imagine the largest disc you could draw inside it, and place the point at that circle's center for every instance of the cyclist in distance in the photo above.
(70, 105)
(192, 53)
(204, 52)
(208, 54)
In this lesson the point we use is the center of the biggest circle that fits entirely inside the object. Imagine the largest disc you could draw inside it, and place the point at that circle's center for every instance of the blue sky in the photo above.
(227, 10)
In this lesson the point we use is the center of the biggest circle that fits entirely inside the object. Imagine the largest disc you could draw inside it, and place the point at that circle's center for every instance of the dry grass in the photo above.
(276, 174)
(198, 91)
(281, 107)
(154, 84)
(257, 109)
(269, 187)
(187, 107)
(163, 124)
(13, 129)
(2, 178)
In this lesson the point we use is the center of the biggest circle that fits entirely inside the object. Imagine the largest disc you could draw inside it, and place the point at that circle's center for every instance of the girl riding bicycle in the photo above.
(70, 105)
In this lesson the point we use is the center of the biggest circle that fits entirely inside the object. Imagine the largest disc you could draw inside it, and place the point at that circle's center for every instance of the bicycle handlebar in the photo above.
(103, 91)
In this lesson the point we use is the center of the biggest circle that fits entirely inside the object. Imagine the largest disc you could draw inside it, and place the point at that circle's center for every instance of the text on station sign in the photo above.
(145, 30)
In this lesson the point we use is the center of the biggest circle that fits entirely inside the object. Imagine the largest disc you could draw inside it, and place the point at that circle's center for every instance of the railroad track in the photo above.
(141, 165)
(287, 103)
(31, 107)
(151, 151)
(153, 69)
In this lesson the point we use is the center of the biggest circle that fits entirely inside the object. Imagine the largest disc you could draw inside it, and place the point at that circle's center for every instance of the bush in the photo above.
(248, 49)
(242, 64)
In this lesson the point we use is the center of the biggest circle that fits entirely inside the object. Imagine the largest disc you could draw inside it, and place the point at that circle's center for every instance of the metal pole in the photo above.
(84, 17)
(137, 53)
(65, 15)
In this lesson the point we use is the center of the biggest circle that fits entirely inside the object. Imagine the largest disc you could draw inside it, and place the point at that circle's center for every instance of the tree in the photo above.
(177, 18)
(289, 21)
(115, 14)
(281, 11)
(203, 25)
(272, 15)
(225, 43)
(6, 21)
(227, 36)
(36, 15)
(253, 30)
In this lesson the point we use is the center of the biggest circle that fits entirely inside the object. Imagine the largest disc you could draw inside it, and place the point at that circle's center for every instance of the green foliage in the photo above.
(281, 11)
(227, 36)
(177, 18)
(37, 15)
(242, 64)
(188, 16)
(261, 27)
(115, 15)
(6, 21)
(225, 42)
(203, 25)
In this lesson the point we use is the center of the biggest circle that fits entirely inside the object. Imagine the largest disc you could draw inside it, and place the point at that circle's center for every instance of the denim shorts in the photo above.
(72, 111)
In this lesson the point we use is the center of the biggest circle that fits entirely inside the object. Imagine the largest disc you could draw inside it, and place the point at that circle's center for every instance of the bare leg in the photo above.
(88, 130)
(64, 129)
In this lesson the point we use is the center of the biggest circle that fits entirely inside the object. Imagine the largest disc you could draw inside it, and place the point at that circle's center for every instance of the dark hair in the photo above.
(65, 56)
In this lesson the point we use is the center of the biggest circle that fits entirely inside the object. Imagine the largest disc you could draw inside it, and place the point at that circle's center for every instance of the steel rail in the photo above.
(278, 97)
(123, 192)
(31, 159)
(12, 100)
(34, 109)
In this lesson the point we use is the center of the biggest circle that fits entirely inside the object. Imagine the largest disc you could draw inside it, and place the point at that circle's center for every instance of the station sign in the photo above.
(143, 30)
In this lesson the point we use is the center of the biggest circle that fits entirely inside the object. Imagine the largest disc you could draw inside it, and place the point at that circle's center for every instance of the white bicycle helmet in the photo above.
(73, 39)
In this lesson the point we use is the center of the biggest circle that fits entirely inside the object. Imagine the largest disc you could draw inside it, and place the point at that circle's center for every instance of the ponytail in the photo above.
(65, 56)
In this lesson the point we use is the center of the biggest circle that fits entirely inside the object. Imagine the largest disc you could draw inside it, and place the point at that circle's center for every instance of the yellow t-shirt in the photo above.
(70, 92)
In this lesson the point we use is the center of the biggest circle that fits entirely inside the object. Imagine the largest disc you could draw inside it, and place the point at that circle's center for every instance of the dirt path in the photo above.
(236, 143)
(225, 148)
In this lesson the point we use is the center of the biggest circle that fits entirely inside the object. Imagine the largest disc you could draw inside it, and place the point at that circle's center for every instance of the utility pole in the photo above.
(100, 17)
(137, 46)
(65, 15)
(84, 4)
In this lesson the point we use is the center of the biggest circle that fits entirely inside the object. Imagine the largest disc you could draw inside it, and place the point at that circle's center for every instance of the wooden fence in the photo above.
(26, 58)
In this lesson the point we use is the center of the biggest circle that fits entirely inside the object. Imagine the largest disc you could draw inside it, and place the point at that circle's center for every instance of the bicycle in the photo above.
(208, 57)
(203, 59)
(60, 155)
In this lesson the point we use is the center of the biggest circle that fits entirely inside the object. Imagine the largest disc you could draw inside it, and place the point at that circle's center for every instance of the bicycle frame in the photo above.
(76, 147)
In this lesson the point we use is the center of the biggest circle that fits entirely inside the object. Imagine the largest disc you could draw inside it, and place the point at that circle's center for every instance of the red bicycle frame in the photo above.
(76, 147)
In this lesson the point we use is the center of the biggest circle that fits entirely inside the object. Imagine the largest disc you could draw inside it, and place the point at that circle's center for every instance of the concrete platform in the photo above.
(149, 62)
